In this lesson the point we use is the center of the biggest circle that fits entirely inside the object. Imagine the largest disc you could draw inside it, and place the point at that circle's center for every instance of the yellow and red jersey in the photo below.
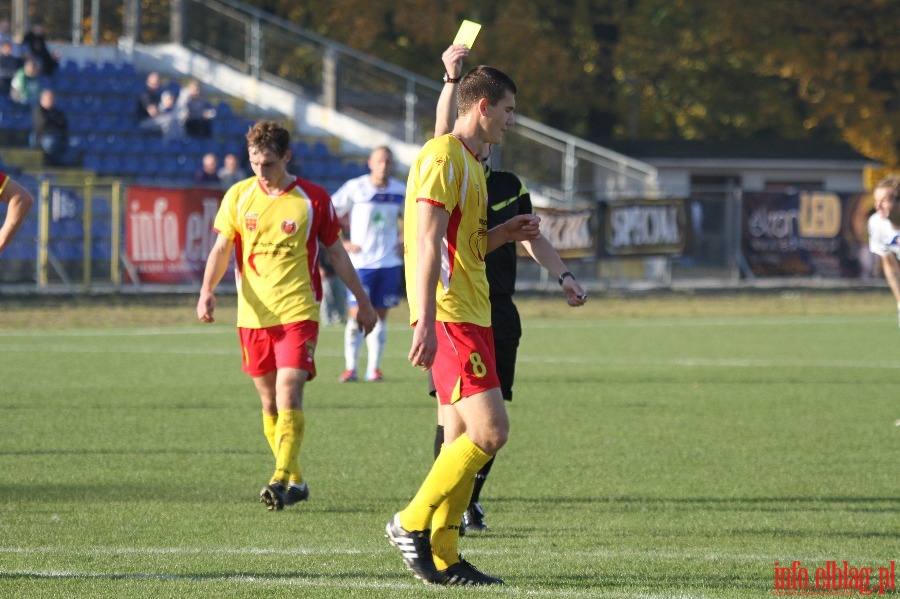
(4, 179)
(447, 174)
(277, 249)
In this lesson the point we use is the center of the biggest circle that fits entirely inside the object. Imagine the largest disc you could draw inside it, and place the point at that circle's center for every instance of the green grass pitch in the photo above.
(670, 446)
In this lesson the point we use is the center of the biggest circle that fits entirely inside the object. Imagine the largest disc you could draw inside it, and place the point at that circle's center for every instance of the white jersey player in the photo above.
(373, 207)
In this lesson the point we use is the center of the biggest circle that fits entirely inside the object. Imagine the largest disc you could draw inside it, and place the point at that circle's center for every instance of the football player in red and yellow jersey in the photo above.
(446, 239)
(275, 222)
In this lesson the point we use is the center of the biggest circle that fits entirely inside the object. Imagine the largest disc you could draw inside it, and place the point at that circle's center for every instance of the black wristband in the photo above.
(563, 276)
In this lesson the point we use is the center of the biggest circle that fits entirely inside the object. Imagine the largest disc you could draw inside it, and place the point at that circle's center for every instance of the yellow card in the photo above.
(467, 33)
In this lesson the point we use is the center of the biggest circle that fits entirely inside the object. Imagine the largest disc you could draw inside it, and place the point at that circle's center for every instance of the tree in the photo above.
(824, 70)
(687, 69)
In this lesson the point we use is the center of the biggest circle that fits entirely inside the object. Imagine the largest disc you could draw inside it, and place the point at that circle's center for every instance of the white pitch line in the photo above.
(299, 581)
(116, 332)
(701, 555)
(708, 362)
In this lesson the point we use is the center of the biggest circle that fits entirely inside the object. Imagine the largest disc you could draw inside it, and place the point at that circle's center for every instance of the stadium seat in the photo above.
(91, 161)
(67, 67)
(21, 248)
(111, 164)
(320, 149)
(29, 227)
(101, 207)
(66, 228)
(131, 164)
(101, 249)
(101, 227)
(66, 250)
(150, 164)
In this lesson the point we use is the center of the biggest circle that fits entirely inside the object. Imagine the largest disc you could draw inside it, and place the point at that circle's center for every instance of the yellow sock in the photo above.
(445, 525)
(269, 423)
(456, 465)
(288, 438)
(299, 422)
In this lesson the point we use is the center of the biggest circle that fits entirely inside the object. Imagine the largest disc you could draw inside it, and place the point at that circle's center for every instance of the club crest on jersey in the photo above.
(251, 221)
(478, 244)
(289, 227)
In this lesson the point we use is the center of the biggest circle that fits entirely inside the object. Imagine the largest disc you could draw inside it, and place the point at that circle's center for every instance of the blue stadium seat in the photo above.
(223, 109)
(101, 207)
(101, 228)
(66, 250)
(20, 249)
(29, 227)
(91, 161)
(320, 149)
(312, 169)
(67, 67)
(301, 150)
(131, 164)
(111, 164)
(127, 71)
(153, 144)
(66, 228)
(101, 249)
(150, 164)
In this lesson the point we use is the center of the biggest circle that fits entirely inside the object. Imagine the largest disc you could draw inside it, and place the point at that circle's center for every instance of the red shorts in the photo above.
(281, 346)
(464, 364)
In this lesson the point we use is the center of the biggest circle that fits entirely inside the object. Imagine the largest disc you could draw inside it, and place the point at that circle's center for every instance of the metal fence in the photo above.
(566, 168)
(72, 239)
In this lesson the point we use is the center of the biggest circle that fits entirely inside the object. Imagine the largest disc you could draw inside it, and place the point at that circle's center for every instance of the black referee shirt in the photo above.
(507, 197)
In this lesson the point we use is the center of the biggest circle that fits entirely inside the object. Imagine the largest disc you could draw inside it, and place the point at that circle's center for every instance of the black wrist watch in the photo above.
(449, 79)
(563, 276)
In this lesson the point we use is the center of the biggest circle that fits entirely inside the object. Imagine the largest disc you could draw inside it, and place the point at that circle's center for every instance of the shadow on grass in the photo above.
(181, 492)
(779, 504)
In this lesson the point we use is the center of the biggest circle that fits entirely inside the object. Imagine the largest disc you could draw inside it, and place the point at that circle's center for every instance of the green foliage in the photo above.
(660, 447)
(601, 69)
(660, 69)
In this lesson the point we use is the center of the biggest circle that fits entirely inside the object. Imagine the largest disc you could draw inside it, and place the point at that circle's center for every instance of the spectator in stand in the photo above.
(150, 99)
(195, 111)
(231, 171)
(207, 175)
(50, 129)
(9, 65)
(6, 33)
(25, 87)
(34, 44)
(165, 121)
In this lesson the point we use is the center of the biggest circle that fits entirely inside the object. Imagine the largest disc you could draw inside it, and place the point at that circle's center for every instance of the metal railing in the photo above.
(73, 237)
(563, 167)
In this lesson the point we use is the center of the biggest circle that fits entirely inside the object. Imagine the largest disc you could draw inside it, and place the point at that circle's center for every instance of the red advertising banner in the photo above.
(168, 232)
